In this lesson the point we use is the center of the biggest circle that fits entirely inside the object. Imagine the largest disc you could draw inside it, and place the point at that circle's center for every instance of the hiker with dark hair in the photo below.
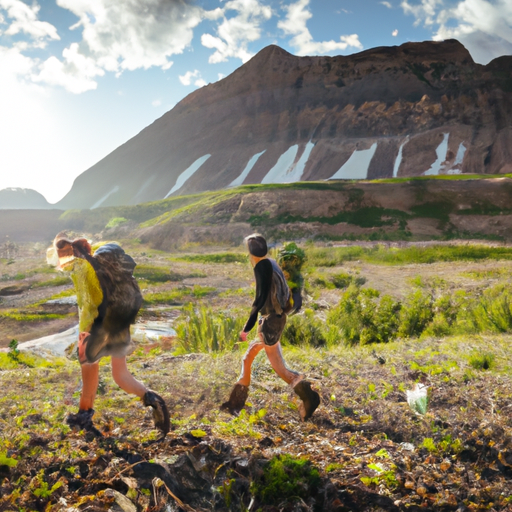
(273, 302)
(109, 299)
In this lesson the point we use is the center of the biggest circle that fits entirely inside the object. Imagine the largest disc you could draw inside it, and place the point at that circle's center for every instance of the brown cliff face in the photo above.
(420, 108)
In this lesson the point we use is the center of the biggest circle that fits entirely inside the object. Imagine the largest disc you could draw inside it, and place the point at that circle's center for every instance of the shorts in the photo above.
(93, 348)
(271, 328)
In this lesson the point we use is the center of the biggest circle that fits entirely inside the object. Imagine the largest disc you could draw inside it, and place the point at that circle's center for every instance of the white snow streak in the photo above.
(286, 169)
(296, 173)
(441, 157)
(282, 166)
(104, 198)
(356, 167)
(246, 171)
(398, 160)
(187, 173)
(460, 154)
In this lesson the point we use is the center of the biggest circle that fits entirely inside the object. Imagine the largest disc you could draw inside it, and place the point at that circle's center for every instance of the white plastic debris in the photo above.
(418, 398)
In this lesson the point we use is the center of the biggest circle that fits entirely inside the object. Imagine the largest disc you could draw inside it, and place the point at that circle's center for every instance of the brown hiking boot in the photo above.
(83, 420)
(310, 399)
(236, 400)
(160, 411)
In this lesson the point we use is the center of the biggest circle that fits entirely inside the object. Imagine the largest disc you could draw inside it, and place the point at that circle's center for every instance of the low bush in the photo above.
(362, 316)
(304, 329)
(481, 361)
(286, 478)
(201, 329)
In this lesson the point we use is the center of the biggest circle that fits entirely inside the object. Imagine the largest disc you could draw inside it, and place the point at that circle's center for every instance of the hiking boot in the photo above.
(236, 400)
(310, 399)
(83, 420)
(160, 411)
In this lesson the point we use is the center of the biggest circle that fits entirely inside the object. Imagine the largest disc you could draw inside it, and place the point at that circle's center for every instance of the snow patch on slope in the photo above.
(398, 160)
(356, 167)
(246, 171)
(187, 173)
(457, 164)
(283, 165)
(286, 169)
(441, 151)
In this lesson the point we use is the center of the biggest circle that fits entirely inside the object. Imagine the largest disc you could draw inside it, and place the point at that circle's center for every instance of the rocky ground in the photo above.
(371, 450)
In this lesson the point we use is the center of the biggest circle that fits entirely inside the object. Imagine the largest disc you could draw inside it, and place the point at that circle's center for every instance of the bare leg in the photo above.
(83, 418)
(275, 356)
(252, 351)
(125, 380)
(90, 380)
(240, 390)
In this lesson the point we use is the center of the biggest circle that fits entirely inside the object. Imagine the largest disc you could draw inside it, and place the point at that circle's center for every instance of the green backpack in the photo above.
(291, 259)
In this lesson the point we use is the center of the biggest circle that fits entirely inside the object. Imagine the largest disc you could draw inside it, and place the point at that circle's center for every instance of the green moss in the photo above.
(286, 478)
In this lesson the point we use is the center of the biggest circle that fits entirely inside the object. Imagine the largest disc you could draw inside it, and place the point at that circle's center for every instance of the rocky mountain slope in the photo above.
(417, 109)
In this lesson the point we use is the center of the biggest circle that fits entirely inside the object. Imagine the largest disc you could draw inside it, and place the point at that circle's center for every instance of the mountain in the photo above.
(416, 109)
(22, 198)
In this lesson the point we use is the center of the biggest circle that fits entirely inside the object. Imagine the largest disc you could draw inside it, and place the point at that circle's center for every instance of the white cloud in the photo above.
(186, 79)
(75, 72)
(23, 19)
(236, 32)
(115, 36)
(425, 11)
(395, 32)
(295, 24)
(133, 35)
(156, 103)
(387, 4)
(484, 27)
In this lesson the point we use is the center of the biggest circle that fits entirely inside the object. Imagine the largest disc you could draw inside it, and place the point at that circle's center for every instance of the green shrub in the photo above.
(415, 314)
(115, 221)
(286, 478)
(304, 330)
(360, 317)
(203, 330)
(481, 361)
(492, 311)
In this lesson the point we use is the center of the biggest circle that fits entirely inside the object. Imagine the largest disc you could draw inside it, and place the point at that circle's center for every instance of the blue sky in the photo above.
(78, 78)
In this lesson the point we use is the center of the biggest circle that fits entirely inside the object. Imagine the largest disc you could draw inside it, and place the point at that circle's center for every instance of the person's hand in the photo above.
(243, 336)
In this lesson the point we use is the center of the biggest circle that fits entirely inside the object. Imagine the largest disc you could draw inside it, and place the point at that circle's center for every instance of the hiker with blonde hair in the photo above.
(273, 302)
(109, 299)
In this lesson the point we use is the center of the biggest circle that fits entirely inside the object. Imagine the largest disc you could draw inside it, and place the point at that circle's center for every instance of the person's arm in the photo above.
(263, 273)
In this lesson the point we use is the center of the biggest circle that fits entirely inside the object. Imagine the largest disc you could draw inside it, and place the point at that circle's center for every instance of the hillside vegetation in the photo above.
(433, 208)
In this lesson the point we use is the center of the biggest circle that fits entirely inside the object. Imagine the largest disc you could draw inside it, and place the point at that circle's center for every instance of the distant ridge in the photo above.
(22, 198)
(416, 109)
